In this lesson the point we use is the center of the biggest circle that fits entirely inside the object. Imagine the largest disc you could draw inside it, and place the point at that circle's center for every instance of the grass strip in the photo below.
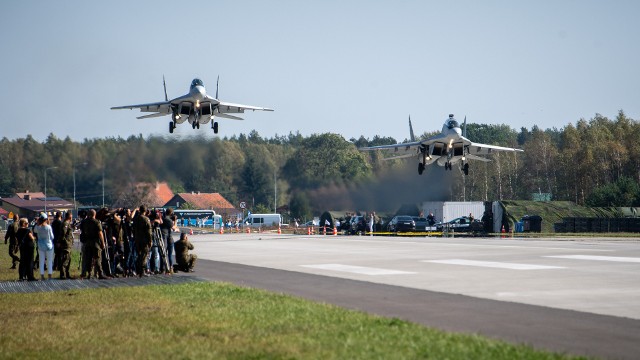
(220, 321)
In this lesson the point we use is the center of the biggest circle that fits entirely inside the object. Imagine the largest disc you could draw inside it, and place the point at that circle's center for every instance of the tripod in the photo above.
(157, 236)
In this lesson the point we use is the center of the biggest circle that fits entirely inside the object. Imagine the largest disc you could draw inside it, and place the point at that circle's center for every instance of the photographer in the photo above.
(167, 226)
(143, 240)
(185, 261)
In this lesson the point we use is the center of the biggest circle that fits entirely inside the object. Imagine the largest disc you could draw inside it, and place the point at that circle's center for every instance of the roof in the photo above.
(3, 212)
(206, 200)
(151, 194)
(37, 203)
(163, 192)
(159, 194)
(32, 194)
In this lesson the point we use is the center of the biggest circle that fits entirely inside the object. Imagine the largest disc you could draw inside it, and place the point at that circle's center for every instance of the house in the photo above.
(149, 194)
(204, 201)
(29, 205)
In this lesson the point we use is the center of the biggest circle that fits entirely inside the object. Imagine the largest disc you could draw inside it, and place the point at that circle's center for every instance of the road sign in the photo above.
(243, 205)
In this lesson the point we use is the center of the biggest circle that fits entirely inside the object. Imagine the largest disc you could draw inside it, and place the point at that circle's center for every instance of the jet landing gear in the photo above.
(214, 126)
(447, 166)
(172, 125)
(420, 168)
(195, 125)
(465, 169)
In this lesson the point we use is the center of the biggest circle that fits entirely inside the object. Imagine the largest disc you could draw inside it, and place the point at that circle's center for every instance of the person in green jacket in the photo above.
(65, 245)
(184, 261)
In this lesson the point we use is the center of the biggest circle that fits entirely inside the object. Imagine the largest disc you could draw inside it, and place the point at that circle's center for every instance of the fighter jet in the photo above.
(445, 149)
(196, 107)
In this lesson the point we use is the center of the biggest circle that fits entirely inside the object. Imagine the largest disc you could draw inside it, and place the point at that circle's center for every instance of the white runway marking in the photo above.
(357, 269)
(493, 264)
(598, 258)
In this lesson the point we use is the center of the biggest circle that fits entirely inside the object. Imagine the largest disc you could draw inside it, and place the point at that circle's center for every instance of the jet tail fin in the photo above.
(464, 129)
(166, 98)
(413, 137)
(217, 83)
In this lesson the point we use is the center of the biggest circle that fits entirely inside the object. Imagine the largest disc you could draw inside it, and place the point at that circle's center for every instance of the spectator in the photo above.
(45, 244)
(14, 244)
(94, 243)
(66, 244)
(185, 261)
(27, 245)
(56, 226)
(431, 219)
(143, 239)
(166, 228)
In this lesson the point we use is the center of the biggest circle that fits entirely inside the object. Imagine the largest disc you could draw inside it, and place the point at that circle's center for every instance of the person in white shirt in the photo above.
(45, 244)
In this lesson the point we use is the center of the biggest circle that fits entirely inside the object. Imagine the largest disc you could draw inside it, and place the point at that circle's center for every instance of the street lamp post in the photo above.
(45, 186)
(103, 187)
(75, 206)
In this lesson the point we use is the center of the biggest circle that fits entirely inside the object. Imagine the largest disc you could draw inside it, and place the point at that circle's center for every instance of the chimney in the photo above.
(27, 196)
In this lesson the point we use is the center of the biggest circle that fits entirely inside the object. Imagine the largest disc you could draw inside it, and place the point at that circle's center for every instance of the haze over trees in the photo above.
(594, 162)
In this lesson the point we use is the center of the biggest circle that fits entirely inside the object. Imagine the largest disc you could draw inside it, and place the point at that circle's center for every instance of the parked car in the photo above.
(310, 223)
(463, 224)
(401, 223)
(421, 223)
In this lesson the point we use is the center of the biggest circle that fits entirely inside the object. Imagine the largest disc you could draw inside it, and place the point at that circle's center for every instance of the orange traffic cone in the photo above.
(190, 231)
(324, 230)
(335, 231)
(308, 231)
(221, 230)
(279, 230)
(248, 229)
(503, 232)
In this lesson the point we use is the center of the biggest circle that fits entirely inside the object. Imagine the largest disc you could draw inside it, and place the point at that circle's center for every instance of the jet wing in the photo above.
(226, 108)
(484, 149)
(399, 150)
(163, 107)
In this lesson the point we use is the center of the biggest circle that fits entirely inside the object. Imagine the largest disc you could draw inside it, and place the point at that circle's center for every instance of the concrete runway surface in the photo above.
(577, 296)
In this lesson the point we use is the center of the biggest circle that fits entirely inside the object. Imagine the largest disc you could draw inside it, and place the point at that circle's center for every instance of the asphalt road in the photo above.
(579, 297)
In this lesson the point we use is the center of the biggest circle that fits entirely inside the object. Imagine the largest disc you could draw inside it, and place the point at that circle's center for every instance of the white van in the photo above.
(259, 220)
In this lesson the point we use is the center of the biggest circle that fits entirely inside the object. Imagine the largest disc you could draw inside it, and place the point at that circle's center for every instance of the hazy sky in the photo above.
(348, 67)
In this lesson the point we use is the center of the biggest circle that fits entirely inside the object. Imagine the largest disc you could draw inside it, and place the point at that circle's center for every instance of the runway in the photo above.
(575, 296)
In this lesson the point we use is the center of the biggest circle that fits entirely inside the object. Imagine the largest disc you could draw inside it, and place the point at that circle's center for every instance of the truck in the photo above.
(260, 220)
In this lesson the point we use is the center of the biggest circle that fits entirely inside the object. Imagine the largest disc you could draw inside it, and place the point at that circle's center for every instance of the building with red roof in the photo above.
(29, 205)
(204, 201)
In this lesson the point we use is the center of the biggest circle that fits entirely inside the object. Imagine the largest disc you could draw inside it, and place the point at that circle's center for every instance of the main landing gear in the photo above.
(195, 124)
(214, 126)
(172, 125)
(420, 168)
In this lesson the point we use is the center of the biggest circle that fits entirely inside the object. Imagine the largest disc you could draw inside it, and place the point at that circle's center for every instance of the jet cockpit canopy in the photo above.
(196, 82)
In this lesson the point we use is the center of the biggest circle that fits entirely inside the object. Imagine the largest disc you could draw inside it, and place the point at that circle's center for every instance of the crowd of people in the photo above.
(113, 243)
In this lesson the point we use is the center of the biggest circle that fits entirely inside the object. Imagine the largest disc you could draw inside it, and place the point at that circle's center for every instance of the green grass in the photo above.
(217, 321)
(553, 211)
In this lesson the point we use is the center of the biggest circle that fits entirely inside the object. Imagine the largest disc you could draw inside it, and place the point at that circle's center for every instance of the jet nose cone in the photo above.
(199, 92)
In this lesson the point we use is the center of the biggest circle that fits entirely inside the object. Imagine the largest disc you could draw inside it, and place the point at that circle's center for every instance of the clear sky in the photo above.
(348, 67)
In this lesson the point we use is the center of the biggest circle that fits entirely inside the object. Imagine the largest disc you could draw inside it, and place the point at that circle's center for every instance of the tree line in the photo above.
(594, 162)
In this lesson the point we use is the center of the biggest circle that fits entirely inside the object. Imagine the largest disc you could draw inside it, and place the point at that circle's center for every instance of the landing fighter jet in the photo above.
(445, 149)
(196, 107)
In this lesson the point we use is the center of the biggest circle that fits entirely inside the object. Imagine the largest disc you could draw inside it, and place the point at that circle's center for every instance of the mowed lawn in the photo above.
(217, 321)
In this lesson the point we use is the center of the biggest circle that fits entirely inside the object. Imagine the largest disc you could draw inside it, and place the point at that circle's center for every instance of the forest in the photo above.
(593, 162)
